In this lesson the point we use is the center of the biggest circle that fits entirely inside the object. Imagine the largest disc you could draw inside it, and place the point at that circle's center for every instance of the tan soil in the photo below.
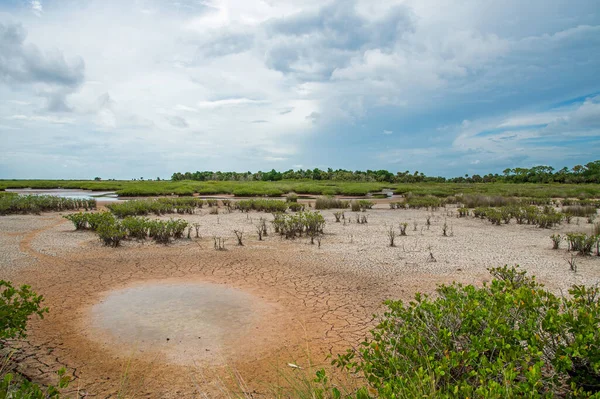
(318, 301)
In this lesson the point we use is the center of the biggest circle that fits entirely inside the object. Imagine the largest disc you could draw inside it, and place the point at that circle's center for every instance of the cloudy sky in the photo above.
(127, 89)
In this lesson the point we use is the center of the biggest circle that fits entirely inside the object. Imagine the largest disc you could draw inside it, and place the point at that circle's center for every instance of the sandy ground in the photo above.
(305, 302)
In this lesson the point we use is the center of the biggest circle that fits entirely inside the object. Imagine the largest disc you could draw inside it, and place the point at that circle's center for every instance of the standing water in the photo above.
(69, 193)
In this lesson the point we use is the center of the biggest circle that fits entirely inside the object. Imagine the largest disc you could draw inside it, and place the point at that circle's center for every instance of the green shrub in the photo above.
(20, 388)
(295, 225)
(162, 231)
(291, 197)
(111, 233)
(556, 239)
(136, 227)
(480, 212)
(511, 338)
(80, 220)
(295, 207)
(96, 219)
(494, 216)
(548, 218)
(581, 242)
(17, 305)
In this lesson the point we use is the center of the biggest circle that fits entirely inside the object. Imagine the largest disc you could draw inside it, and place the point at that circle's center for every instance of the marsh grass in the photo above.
(579, 210)
(159, 206)
(128, 188)
(331, 203)
(263, 205)
(36, 204)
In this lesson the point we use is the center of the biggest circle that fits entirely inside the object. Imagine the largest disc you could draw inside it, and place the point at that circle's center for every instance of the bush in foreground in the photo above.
(17, 305)
(511, 338)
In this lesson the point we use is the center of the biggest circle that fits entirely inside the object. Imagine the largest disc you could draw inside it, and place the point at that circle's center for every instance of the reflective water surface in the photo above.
(68, 193)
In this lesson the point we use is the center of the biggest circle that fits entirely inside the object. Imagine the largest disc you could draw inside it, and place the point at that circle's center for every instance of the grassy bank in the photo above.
(310, 187)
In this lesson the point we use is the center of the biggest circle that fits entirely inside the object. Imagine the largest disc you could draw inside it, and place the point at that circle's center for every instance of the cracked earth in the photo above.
(306, 302)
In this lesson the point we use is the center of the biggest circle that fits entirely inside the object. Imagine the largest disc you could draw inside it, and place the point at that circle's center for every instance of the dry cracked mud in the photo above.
(134, 319)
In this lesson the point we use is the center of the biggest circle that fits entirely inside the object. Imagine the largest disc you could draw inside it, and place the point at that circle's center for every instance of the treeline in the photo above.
(588, 173)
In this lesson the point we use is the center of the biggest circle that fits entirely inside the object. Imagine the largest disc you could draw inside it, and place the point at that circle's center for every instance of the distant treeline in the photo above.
(588, 173)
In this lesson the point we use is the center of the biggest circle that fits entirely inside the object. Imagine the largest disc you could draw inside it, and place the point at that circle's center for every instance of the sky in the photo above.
(145, 88)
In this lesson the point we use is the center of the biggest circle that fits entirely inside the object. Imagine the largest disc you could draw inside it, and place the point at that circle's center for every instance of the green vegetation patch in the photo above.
(510, 338)
(25, 204)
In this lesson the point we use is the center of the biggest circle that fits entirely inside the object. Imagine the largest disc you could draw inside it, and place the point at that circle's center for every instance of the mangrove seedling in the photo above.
(392, 236)
(403, 227)
(556, 238)
(239, 235)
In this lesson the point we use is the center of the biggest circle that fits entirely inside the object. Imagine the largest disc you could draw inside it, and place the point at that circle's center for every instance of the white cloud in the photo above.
(195, 80)
(231, 102)
(41, 118)
(36, 7)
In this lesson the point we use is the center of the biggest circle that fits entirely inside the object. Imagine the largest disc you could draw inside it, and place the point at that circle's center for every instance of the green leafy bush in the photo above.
(295, 225)
(95, 219)
(291, 197)
(511, 338)
(17, 305)
(136, 227)
(111, 233)
(582, 243)
(295, 207)
(80, 220)
(19, 388)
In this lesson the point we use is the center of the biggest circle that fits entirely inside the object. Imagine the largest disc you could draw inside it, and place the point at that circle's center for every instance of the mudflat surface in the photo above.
(185, 322)
(256, 307)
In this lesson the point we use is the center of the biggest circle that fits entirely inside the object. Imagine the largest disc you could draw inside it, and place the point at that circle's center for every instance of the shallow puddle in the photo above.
(188, 322)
